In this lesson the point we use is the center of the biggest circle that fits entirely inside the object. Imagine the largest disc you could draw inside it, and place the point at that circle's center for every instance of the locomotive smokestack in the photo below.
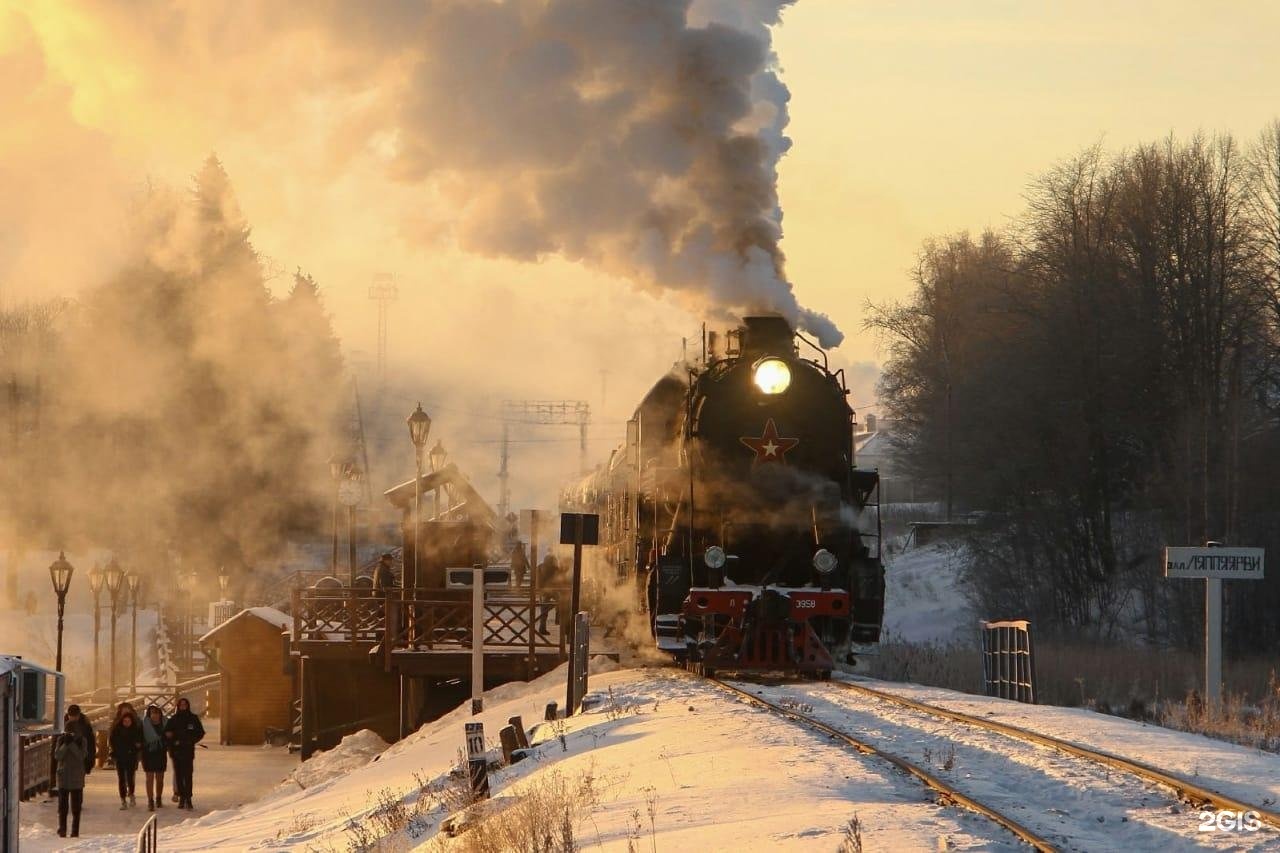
(767, 334)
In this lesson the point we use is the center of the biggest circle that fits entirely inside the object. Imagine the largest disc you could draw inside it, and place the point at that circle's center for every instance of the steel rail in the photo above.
(946, 792)
(1184, 789)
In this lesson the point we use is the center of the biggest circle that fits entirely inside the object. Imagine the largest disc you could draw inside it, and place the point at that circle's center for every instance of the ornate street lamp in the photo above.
(193, 581)
(95, 586)
(419, 428)
(114, 577)
(135, 592)
(60, 572)
(350, 492)
(338, 467)
(437, 455)
(183, 582)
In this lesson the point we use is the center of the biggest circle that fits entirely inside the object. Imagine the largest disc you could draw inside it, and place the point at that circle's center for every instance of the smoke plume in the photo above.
(641, 138)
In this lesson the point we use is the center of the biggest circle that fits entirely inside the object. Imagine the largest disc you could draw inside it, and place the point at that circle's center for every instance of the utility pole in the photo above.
(542, 413)
(384, 292)
(504, 489)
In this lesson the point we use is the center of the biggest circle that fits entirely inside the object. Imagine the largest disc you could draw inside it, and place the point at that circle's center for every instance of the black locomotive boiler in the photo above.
(734, 517)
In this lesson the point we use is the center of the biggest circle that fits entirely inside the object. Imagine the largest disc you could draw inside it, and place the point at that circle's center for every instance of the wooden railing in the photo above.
(429, 620)
(345, 614)
(35, 764)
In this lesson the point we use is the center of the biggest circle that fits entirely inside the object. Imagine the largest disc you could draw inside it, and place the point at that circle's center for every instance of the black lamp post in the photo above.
(135, 590)
(95, 585)
(60, 572)
(182, 580)
(192, 580)
(114, 577)
(338, 466)
(437, 456)
(419, 428)
(350, 492)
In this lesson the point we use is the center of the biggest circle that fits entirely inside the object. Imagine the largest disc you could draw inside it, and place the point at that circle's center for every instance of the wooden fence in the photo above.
(35, 764)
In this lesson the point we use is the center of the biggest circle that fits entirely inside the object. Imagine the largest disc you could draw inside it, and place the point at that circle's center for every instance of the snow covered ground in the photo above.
(1074, 802)
(923, 598)
(720, 774)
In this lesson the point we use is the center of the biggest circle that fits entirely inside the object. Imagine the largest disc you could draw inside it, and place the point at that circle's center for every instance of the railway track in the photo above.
(947, 792)
(1186, 790)
(1065, 796)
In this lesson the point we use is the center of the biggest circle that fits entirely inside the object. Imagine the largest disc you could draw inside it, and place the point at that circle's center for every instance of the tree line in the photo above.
(174, 412)
(1101, 379)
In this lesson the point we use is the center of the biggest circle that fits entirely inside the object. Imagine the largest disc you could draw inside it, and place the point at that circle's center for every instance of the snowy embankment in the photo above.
(664, 760)
(924, 602)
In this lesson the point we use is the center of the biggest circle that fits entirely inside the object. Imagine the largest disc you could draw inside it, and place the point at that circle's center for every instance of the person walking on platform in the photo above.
(70, 753)
(548, 576)
(155, 760)
(76, 723)
(519, 564)
(183, 731)
(126, 747)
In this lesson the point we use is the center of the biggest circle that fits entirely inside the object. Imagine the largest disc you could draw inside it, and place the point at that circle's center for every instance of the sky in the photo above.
(907, 120)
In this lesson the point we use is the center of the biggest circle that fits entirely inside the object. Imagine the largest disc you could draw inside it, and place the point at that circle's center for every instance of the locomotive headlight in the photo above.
(714, 557)
(824, 561)
(772, 376)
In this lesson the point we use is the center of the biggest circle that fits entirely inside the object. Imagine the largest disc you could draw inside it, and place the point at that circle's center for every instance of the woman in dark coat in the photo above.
(155, 760)
(126, 747)
(70, 755)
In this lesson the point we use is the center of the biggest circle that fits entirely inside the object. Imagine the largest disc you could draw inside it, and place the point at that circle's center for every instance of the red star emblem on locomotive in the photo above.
(769, 447)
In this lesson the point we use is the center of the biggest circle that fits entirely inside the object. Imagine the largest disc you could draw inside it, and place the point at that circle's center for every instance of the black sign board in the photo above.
(569, 528)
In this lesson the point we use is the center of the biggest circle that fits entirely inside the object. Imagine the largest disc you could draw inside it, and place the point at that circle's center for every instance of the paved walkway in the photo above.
(225, 776)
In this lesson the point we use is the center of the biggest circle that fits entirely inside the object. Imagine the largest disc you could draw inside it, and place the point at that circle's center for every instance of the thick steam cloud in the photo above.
(640, 137)
(626, 135)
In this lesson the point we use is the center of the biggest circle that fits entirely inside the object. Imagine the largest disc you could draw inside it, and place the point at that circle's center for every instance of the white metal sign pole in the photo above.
(1214, 563)
(477, 639)
(1213, 640)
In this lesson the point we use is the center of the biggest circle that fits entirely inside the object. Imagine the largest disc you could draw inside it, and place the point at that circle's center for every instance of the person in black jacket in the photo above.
(183, 731)
(126, 746)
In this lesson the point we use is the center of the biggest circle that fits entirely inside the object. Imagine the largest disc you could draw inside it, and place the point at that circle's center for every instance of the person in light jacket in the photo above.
(70, 753)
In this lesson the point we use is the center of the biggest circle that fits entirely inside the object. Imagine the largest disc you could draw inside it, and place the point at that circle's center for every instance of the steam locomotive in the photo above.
(733, 515)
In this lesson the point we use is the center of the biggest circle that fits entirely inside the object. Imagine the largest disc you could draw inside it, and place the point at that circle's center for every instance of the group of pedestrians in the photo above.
(151, 741)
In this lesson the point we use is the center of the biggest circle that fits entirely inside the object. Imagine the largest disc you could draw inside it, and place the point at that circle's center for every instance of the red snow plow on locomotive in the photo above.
(735, 515)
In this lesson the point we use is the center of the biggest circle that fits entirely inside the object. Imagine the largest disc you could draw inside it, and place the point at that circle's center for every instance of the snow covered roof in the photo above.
(270, 615)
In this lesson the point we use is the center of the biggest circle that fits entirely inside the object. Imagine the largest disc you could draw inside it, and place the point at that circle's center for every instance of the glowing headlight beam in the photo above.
(772, 376)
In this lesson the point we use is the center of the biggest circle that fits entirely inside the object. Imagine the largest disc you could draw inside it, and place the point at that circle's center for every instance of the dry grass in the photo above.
(1156, 685)
(546, 817)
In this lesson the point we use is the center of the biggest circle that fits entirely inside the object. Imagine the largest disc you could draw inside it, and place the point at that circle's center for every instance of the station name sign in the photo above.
(1226, 563)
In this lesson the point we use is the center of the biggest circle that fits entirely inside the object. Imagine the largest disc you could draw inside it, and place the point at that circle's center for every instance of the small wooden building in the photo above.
(257, 693)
